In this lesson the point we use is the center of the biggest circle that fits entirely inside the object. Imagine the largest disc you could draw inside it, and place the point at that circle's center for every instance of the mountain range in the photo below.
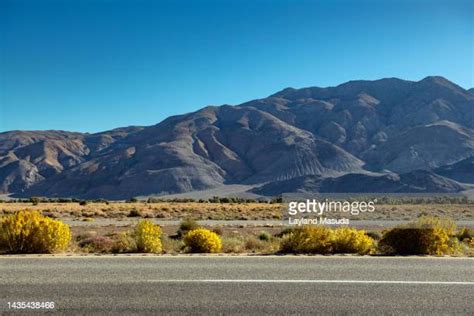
(387, 135)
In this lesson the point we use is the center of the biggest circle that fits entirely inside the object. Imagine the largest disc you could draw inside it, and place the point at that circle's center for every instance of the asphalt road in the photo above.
(236, 285)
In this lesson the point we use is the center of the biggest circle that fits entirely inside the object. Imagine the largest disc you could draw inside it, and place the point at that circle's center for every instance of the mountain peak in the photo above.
(443, 82)
(387, 89)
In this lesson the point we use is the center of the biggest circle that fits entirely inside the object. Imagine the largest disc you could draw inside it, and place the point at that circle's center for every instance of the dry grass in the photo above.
(227, 211)
(162, 210)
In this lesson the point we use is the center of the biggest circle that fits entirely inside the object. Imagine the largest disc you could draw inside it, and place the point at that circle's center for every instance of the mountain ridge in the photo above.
(386, 125)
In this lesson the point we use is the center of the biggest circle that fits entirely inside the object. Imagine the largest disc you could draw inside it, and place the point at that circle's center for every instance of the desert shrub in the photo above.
(225, 200)
(147, 237)
(444, 223)
(202, 240)
(134, 213)
(35, 200)
(3, 244)
(249, 244)
(31, 232)
(465, 234)
(270, 246)
(187, 225)
(123, 242)
(414, 241)
(264, 236)
(308, 239)
(374, 234)
(172, 245)
(233, 244)
(97, 244)
(254, 245)
(285, 231)
(350, 240)
(214, 199)
(85, 235)
(83, 203)
(428, 235)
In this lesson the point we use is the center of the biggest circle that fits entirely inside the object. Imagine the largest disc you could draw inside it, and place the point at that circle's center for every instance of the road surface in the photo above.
(232, 285)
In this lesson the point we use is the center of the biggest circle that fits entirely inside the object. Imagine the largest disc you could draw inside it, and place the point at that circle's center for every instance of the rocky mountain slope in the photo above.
(462, 171)
(419, 181)
(376, 134)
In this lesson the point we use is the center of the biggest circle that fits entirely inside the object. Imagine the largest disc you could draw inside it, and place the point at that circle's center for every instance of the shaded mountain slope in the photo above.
(462, 171)
(419, 181)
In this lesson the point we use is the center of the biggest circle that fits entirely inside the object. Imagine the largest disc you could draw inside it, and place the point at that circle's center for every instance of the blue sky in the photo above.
(94, 65)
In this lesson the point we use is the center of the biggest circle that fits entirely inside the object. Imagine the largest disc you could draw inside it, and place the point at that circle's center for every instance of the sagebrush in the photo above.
(202, 240)
(308, 239)
(147, 236)
(31, 232)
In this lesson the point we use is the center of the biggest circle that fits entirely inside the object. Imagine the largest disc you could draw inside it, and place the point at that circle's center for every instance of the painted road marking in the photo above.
(313, 281)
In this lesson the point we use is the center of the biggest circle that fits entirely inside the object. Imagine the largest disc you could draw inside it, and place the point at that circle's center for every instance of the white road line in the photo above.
(313, 281)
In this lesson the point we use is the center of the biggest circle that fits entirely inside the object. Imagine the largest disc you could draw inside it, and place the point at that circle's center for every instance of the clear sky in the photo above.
(95, 65)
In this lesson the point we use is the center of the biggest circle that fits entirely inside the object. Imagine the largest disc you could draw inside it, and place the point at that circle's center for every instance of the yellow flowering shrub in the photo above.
(147, 237)
(350, 240)
(429, 235)
(202, 240)
(308, 239)
(445, 223)
(31, 232)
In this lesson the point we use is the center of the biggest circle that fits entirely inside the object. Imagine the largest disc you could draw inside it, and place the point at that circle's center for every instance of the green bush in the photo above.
(264, 236)
(30, 232)
(202, 240)
(35, 200)
(187, 225)
(375, 235)
(308, 239)
(134, 213)
(147, 237)
(465, 234)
